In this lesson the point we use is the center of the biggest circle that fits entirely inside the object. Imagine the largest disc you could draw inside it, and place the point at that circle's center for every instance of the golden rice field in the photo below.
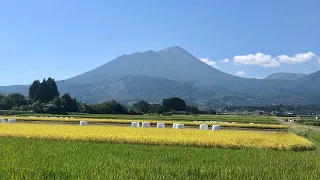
(154, 136)
(153, 122)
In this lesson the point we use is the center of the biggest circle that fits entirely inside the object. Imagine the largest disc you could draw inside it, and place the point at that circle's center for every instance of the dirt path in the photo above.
(300, 127)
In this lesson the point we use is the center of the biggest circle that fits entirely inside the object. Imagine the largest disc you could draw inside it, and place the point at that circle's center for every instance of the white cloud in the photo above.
(297, 58)
(240, 73)
(225, 61)
(265, 60)
(207, 61)
(259, 59)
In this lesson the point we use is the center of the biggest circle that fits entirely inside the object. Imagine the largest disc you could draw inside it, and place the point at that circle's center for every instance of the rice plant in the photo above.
(155, 136)
(22, 158)
(153, 122)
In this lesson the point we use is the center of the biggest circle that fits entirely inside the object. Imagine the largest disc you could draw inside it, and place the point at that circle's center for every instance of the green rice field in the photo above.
(44, 159)
(24, 158)
(50, 159)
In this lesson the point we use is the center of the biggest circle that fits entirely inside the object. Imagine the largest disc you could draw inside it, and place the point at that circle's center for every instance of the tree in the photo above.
(193, 109)
(57, 107)
(111, 107)
(37, 107)
(57, 101)
(15, 100)
(2, 99)
(156, 108)
(34, 90)
(175, 104)
(87, 108)
(117, 108)
(51, 89)
(142, 106)
(70, 104)
(42, 93)
(45, 91)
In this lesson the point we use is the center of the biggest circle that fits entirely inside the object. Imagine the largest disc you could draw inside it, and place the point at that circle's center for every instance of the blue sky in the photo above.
(61, 39)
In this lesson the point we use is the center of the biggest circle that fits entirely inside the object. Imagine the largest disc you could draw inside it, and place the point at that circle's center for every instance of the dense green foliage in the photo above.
(111, 107)
(45, 159)
(12, 101)
(43, 92)
(44, 97)
(174, 104)
(143, 107)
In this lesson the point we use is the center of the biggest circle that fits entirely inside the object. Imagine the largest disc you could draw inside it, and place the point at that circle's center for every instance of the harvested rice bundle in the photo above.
(12, 120)
(145, 125)
(174, 126)
(204, 127)
(83, 123)
(135, 124)
(161, 125)
(179, 126)
(216, 127)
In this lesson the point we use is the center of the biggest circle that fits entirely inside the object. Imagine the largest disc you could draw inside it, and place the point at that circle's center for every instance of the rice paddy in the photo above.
(34, 148)
(154, 136)
(48, 159)
(153, 122)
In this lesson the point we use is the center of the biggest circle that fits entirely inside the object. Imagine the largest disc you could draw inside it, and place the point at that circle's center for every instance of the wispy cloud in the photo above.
(208, 61)
(297, 58)
(259, 59)
(240, 73)
(319, 60)
(225, 61)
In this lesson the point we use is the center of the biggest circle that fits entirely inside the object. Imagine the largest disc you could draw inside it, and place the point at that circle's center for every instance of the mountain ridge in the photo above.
(285, 76)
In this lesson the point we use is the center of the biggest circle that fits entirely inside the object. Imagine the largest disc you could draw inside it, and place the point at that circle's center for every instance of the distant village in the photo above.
(263, 113)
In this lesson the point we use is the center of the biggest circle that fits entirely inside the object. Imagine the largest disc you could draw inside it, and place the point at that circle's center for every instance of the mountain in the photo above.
(155, 75)
(286, 76)
(312, 79)
(172, 63)
(135, 88)
(24, 89)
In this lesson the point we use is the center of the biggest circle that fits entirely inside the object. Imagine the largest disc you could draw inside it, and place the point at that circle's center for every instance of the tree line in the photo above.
(44, 97)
